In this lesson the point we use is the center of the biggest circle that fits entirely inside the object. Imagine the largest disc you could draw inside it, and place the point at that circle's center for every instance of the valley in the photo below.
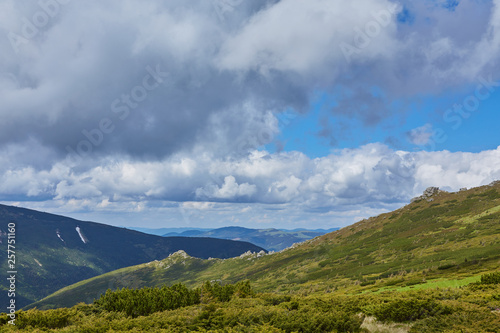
(55, 251)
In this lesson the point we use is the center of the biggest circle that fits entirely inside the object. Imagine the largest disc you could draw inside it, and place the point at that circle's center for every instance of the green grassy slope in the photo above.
(453, 237)
(236, 308)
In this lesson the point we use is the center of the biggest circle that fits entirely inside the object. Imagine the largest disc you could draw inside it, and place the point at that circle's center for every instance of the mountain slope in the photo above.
(270, 239)
(165, 231)
(451, 236)
(54, 251)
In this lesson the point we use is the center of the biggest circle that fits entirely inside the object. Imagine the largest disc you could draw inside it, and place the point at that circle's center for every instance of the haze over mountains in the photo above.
(270, 239)
(53, 251)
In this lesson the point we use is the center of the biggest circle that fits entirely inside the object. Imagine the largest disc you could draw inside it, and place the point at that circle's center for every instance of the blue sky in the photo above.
(303, 132)
(265, 113)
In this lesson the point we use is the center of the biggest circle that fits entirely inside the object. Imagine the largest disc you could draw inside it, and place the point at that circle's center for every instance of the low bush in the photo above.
(142, 302)
(408, 310)
(57, 318)
(492, 278)
(446, 266)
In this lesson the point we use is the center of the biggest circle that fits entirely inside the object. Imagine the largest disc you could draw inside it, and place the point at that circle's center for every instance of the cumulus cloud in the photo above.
(229, 190)
(420, 135)
(303, 37)
(351, 179)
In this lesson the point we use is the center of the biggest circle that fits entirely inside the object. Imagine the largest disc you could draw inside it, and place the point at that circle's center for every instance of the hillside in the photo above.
(445, 236)
(54, 251)
(269, 239)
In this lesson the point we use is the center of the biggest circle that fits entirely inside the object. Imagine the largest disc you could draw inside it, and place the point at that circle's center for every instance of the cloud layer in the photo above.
(351, 180)
(168, 76)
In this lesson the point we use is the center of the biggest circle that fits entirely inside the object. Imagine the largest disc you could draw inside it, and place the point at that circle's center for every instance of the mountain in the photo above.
(163, 231)
(54, 251)
(440, 239)
(321, 231)
(270, 239)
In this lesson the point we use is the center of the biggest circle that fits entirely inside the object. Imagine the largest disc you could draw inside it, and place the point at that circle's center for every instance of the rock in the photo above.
(428, 193)
(180, 253)
(247, 254)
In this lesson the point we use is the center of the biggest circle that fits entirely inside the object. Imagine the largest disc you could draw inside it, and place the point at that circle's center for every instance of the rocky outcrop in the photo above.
(428, 194)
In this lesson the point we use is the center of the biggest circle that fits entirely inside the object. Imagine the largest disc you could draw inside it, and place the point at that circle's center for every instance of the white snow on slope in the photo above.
(81, 236)
(59, 235)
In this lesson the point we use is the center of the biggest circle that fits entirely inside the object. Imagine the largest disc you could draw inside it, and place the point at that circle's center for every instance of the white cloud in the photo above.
(197, 205)
(367, 179)
(420, 135)
(230, 189)
(303, 37)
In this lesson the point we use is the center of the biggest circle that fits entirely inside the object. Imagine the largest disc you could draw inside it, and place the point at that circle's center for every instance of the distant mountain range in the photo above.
(270, 239)
(163, 231)
(439, 237)
(54, 251)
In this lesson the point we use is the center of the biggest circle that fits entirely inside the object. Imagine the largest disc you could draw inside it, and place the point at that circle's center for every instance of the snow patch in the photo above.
(59, 235)
(84, 240)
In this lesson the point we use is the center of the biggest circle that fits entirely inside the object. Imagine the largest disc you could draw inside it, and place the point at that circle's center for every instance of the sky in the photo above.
(261, 114)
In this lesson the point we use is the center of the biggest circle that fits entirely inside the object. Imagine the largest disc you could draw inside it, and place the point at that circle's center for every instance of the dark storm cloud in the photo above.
(151, 79)
(146, 69)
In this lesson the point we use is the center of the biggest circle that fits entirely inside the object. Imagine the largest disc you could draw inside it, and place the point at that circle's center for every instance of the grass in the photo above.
(475, 218)
(440, 283)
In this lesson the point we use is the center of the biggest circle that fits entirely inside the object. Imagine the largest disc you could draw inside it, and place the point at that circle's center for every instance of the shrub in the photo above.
(408, 310)
(312, 321)
(214, 291)
(142, 302)
(468, 318)
(492, 278)
(446, 266)
(272, 299)
(366, 283)
(57, 318)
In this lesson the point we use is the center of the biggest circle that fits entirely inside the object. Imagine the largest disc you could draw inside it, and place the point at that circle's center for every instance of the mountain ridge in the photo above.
(455, 235)
(271, 239)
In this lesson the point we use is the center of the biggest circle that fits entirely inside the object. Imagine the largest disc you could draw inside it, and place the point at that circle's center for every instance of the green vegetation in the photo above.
(493, 278)
(145, 301)
(237, 308)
